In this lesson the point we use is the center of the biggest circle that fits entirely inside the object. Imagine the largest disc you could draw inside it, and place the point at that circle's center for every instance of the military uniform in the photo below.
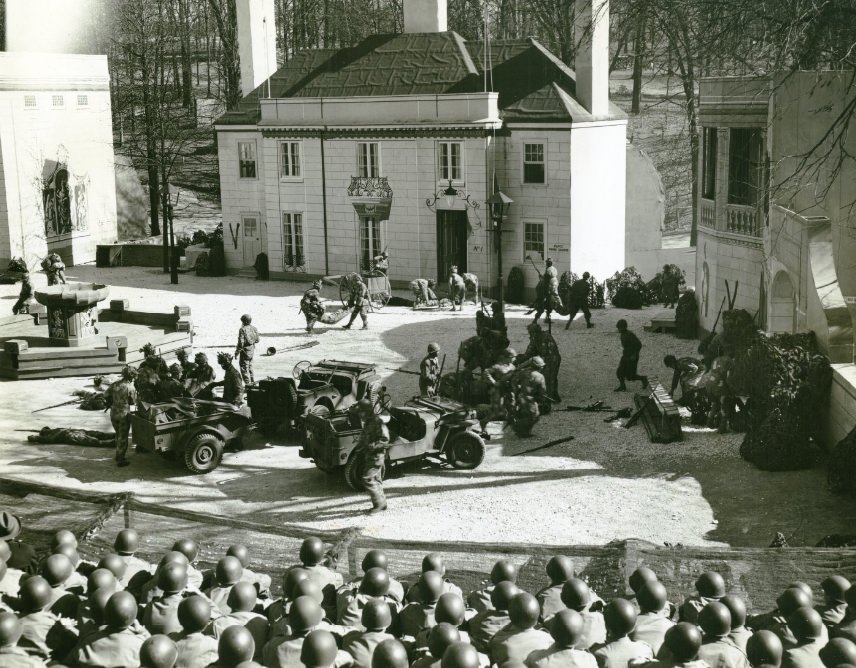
(429, 374)
(21, 306)
(415, 617)
(110, 648)
(497, 378)
(121, 395)
(627, 365)
(485, 625)
(530, 393)
(359, 301)
(578, 295)
(256, 624)
(422, 291)
(248, 337)
(552, 300)
(200, 378)
(684, 369)
(44, 636)
(14, 657)
(557, 656)
(284, 652)
(457, 289)
(195, 650)
(543, 345)
(85, 437)
(514, 644)
(233, 386)
(373, 442)
(361, 646)
(311, 307)
(805, 655)
(170, 388)
(146, 385)
(619, 653)
(594, 630)
(651, 629)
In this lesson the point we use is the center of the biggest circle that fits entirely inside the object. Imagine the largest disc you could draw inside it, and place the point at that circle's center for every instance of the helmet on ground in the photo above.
(242, 597)
(715, 620)
(619, 617)
(312, 549)
(376, 615)
(63, 537)
(524, 610)
(836, 652)
(433, 347)
(710, 585)
(121, 610)
(240, 552)
(194, 613)
(652, 596)
(113, 563)
(365, 406)
(319, 649)
(430, 586)
(99, 578)
(764, 648)
(187, 547)
(502, 594)
(621, 324)
(291, 578)
(440, 637)
(560, 569)
(502, 571)
(228, 571)
(835, 587)
(433, 562)
(158, 652)
(805, 624)
(538, 362)
(460, 655)
(374, 559)
(576, 594)
(567, 627)
(305, 614)
(236, 646)
(127, 541)
(56, 569)
(737, 607)
(640, 576)
(792, 599)
(307, 587)
(246, 318)
(450, 608)
(390, 654)
(10, 629)
(683, 641)
(172, 578)
(375, 582)
(224, 359)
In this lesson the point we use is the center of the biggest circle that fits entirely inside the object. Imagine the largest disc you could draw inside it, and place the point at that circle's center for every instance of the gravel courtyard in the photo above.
(606, 483)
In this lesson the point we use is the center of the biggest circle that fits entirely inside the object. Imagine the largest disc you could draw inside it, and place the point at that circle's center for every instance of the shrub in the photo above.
(200, 237)
(630, 280)
(595, 295)
(655, 285)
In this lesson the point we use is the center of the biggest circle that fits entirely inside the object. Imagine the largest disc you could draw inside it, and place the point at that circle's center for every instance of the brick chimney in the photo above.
(591, 33)
(256, 42)
(425, 16)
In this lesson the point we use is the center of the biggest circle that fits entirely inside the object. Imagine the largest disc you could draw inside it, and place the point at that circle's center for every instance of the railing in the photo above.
(371, 186)
(741, 219)
(707, 211)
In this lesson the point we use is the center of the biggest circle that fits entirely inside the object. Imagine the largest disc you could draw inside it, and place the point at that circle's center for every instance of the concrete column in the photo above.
(256, 42)
(591, 32)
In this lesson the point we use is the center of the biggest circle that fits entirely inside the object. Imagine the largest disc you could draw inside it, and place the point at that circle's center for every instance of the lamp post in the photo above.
(499, 204)
(173, 258)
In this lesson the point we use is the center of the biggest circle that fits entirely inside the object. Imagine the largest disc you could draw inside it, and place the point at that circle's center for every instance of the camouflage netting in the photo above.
(758, 574)
(595, 296)
(627, 289)
(660, 286)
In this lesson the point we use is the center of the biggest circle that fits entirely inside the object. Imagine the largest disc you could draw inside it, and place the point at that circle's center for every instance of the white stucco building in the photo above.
(343, 153)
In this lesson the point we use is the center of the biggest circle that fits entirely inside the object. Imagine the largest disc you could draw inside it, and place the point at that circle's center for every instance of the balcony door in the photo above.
(452, 231)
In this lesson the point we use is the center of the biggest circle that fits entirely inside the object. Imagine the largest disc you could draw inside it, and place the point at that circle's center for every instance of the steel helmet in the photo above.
(764, 648)
(502, 594)
(194, 613)
(5, 552)
(433, 562)
(365, 406)
(375, 582)
(792, 599)
(35, 593)
(640, 576)
(319, 649)
(98, 603)
(715, 620)
(433, 347)
(127, 541)
(246, 318)
(737, 608)
(10, 629)
(174, 557)
(68, 550)
(236, 646)
(158, 652)
(836, 652)
(619, 617)
(308, 587)
(460, 655)
(567, 627)
(430, 586)
(710, 585)
(524, 610)
(242, 597)
(805, 623)
(56, 569)
(576, 594)
(835, 587)
(228, 571)
(560, 569)
(63, 537)
(121, 610)
(374, 559)
(291, 578)
(803, 586)
(376, 615)
(305, 614)
(172, 578)
(99, 578)
(440, 637)
(115, 564)
(187, 547)
(503, 571)
(240, 552)
(450, 608)
(683, 641)
(390, 654)
(652, 596)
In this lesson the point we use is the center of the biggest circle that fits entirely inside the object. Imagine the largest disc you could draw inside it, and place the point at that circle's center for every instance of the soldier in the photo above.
(241, 604)
(577, 297)
(54, 267)
(359, 302)
(260, 581)
(669, 288)
(373, 442)
(146, 383)
(520, 638)
(429, 371)
(85, 437)
(248, 337)
(530, 392)
(709, 587)
(233, 384)
(560, 569)
(683, 369)
(117, 644)
(311, 307)
(158, 652)
(236, 647)
(680, 648)
(651, 624)
(423, 290)
(186, 365)
(202, 375)
(438, 640)
(171, 387)
(630, 347)
(12, 656)
(375, 619)
(42, 634)
(543, 345)
(765, 649)
(227, 573)
(161, 613)
(497, 378)
(739, 634)
(319, 649)
(577, 596)
(22, 306)
(381, 262)
(419, 614)
(457, 288)
(120, 396)
(619, 650)
(486, 624)
(552, 300)
(807, 627)
(566, 631)
(717, 649)
(502, 571)
(194, 648)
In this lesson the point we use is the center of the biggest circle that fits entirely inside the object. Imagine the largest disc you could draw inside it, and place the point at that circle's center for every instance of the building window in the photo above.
(370, 242)
(745, 166)
(82, 100)
(58, 100)
(708, 166)
(247, 159)
(292, 240)
(368, 159)
(533, 241)
(449, 161)
(533, 163)
(289, 160)
(30, 101)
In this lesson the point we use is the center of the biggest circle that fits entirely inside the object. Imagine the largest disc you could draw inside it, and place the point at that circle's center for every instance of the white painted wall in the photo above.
(256, 42)
(591, 32)
(425, 16)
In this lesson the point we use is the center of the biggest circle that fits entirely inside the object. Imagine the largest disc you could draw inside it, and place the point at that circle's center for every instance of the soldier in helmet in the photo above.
(578, 295)
(235, 647)
(319, 649)
(566, 630)
(530, 393)
(227, 573)
(311, 307)
(171, 387)
(552, 300)
(201, 377)
(651, 623)
(543, 345)
(457, 288)
(576, 595)
(709, 587)
(186, 365)
(681, 648)
(439, 638)
(834, 606)
(371, 631)
(232, 383)
(381, 262)
(161, 613)
(429, 371)
(373, 443)
(807, 627)
(120, 396)
(358, 302)
(126, 544)
(423, 290)
(627, 366)
(158, 652)
(516, 641)
(10, 654)
(117, 644)
(765, 649)
(559, 569)
(487, 623)
(248, 337)
(502, 571)
(683, 369)
(241, 603)
(146, 382)
(194, 647)
(717, 649)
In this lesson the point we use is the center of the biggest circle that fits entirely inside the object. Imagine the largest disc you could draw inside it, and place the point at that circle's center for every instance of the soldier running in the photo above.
(578, 295)
(233, 383)
(311, 307)
(429, 371)
(120, 396)
(457, 288)
(373, 443)
(359, 302)
(248, 337)
(542, 343)
(22, 306)
(630, 348)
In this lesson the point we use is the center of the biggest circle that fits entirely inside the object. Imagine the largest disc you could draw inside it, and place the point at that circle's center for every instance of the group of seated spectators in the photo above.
(60, 610)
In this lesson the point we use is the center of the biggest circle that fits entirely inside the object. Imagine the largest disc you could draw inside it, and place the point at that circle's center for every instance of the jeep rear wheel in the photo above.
(355, 470)
(466, 450)
(203, 453)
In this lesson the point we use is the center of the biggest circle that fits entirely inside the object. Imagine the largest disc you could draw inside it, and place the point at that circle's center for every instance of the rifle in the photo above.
(64, 403)
(596, 407)
(558, 441)
(412, 373)
(439, 375)
(300, 346)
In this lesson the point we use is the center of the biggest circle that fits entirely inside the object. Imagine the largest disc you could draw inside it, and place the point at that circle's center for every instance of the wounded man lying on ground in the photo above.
(86, 437)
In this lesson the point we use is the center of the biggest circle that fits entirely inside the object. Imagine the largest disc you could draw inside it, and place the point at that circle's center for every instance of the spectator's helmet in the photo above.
(194, 613)
(236, 646)
(715, 620)
(242, 597)
(172, 578)
(441, 637)
(502, 571)
(619, 617)
(158, 652)
(56, 569)
(652, 596)
(640, 576)
(450, 608)
(560, 568)
(188, 547)
(375, 582)
(126, 542)
(710, 585)
(459, 655)
(374, 559)
(376, 615)
(319, 649)
(502, 594)
(228, 571)
(524, 610)
(121, 611)
(683, 641)
(737, 607)
(390, 654)
(312, 551)
(567, 627)
(246, 318)
(764, 648)
(35, 593)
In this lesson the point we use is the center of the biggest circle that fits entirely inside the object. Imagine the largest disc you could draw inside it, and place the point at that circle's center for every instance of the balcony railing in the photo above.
(741, 219)
(707, 211)
(372, 186)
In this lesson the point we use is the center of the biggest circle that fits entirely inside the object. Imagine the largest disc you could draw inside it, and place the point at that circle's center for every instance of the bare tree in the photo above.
(225, 16)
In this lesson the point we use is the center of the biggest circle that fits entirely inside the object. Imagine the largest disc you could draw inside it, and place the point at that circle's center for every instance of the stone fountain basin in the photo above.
(72, 295)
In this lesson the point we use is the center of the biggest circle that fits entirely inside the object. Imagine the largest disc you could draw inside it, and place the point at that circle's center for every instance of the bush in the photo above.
(514, 287)
(630, 280)
(655, 285)
(595, 295)
(627, 297)
(201, 237)
(841, 475)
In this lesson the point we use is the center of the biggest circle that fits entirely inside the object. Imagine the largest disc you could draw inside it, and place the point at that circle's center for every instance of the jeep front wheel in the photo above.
(466, 450)
(203, 453)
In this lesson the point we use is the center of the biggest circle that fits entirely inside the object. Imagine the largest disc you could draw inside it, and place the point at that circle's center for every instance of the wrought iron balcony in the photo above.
(370, 186)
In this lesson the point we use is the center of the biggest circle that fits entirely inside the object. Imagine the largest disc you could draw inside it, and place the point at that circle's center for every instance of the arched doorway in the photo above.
(782, 305)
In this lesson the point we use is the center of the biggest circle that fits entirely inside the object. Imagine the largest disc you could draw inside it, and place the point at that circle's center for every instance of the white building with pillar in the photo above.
(343, 153)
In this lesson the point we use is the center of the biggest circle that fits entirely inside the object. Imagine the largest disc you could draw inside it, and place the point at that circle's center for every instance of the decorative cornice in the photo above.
(380, 133)
(733, 239)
